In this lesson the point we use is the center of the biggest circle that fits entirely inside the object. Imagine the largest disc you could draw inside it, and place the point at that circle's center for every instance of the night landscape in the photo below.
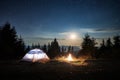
(59, 39)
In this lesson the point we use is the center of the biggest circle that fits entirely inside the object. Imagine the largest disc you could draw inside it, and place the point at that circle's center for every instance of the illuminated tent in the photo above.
(36, 55)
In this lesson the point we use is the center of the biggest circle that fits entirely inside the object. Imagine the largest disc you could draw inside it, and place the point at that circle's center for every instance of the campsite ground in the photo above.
(54, 70)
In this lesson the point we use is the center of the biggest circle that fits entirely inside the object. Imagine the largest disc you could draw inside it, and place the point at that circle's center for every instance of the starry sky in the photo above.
(43, 20)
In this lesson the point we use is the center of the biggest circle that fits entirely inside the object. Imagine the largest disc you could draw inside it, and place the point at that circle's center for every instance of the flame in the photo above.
(69, 58)
(73, 60)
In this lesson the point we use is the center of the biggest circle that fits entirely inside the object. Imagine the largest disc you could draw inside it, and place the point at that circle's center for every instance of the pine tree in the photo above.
(44, 48)
(102, 50)
(20, 48)
(116, 41)
(88, 47)
(62, 49)
(116, 47)
(53, 49)
(109, 43)
(12, 46)
(69, 49)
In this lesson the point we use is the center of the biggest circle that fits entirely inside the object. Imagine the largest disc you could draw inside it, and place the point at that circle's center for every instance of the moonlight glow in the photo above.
(73, 36)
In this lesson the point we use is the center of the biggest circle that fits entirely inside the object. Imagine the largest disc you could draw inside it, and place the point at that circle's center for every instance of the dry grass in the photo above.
(55, 70)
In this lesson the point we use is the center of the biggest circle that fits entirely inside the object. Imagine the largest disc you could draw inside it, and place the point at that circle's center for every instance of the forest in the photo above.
(12, 46)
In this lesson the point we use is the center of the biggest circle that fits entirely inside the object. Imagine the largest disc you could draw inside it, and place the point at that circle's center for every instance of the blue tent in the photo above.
(36, 55)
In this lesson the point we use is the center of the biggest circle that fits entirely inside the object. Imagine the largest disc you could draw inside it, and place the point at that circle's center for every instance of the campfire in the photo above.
(72, 60)
(69, 58)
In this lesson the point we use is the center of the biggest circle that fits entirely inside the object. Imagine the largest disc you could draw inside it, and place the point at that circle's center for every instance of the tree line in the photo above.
(12, 46)
(108, 49)
(52, 49)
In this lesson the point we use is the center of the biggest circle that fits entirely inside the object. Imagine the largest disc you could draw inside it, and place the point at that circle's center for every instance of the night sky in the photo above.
(37, 20)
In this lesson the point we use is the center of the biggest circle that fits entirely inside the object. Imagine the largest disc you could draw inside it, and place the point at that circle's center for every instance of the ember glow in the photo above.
(72, 60)
(69, 58)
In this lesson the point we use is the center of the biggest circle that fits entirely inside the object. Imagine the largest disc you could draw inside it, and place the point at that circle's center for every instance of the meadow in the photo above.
(55, 70)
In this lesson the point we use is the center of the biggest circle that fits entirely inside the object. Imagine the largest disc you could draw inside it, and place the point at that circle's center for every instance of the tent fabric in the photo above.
(36, 55)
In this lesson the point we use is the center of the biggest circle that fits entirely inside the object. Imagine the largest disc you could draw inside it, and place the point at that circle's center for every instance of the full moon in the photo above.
(73, 36)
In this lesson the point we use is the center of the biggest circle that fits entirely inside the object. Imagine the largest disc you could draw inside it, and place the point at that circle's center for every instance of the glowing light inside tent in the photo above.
(35, 55)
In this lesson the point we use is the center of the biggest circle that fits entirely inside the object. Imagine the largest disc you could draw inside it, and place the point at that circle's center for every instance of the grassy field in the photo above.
(55, 70)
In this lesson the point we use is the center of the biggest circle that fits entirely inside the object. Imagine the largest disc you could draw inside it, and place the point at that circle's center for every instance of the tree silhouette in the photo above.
(35, 46)
(53, 49)
(116, 41)
(70, 49)
(109, 43)
(20, 48)
(103, 43)
(116, 47)
(28, 48)
(109, 47)
(88, 47)
(44, 48)
(11, 45)
(102, 50)
(110, 50)
(62, 49)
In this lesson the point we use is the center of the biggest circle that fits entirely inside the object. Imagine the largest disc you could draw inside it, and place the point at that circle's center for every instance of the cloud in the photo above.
(107, 30)
(65, 33)
(41, 38)
(86, 30)
(99, 30)
(79, 32)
